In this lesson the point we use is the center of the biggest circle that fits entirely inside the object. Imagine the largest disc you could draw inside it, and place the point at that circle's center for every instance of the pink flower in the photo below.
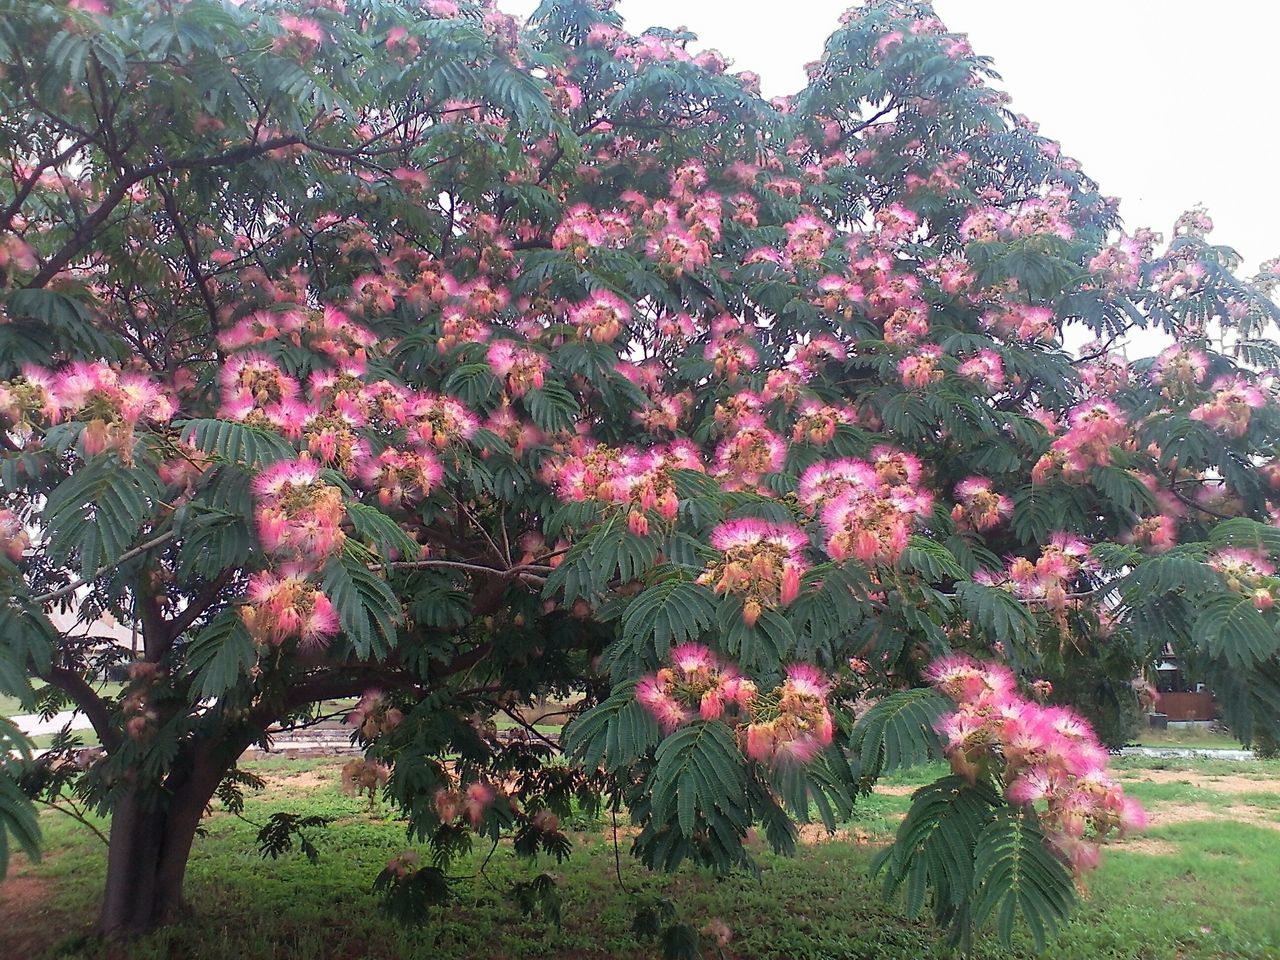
(299, 515)
(285, 608)
(762, 563)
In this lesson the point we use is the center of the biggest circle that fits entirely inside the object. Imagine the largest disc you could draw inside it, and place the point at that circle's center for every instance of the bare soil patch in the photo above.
(25, 916)
(301, 780)
(1149, 846)
(1221, 783)
(1166, 814)
(896, 790)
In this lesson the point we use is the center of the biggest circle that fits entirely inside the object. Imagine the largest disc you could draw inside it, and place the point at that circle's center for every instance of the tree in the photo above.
(394, 350)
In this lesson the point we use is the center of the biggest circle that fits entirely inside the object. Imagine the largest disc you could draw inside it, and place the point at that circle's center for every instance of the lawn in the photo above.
(1191, 739)
(1201, 883)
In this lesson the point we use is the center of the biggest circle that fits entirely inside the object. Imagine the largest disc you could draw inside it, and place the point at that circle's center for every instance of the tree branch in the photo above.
(29, 184)
(127, 555)
(84, 233)
(198, 605)
(88, 701)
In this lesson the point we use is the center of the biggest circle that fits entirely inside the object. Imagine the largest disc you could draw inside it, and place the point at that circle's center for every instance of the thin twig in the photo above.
(617, 857)
(127, 555)
(75, 814)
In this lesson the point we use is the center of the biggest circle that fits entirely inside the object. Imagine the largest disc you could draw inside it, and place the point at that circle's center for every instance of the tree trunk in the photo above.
(151, 837)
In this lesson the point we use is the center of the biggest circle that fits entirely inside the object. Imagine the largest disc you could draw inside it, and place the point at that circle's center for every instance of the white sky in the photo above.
(1166, 103)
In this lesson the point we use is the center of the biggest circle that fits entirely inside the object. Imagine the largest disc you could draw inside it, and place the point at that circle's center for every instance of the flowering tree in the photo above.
(356, 348)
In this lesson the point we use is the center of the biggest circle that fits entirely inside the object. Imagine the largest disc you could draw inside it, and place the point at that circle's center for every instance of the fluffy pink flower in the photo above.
(763, 564)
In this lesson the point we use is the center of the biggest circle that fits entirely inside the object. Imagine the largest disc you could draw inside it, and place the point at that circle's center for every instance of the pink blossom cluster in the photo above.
(887, 290)
(361, 777)
(256, 390)
(807, 240)
(1119, 266)
(1047, 757)
(867, 507)
(469, 804)
(1095, 427)
(1231, 407)
(29, 398)
(791, 724)
(907, 325)
(786, 725)
(1048, 579)
(110, 403)
(328, 331)
(730, 357)
(584, 229)
(748, 453)
(638, 481)
(602, 317)
(1021, 322)
(1248, 572)
(695, 684)
(1155, 534)
(762, 563)
(285, 606)
(1040, 216)
(299, 515)
(816, 423)
(986, 367)
(522, 368)
(341, 412)
(919, 369)
(402, 476)
(979, 507)
(1179, 369)
(374, 715)
(14, 540)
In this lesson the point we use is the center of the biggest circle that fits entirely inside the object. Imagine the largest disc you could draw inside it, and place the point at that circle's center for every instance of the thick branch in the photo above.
(88, 701)
(113, 197)
(29, 184)
(192, 257)
(198, 605)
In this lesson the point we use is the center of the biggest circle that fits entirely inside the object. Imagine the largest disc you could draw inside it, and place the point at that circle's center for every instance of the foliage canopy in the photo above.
(396, 350)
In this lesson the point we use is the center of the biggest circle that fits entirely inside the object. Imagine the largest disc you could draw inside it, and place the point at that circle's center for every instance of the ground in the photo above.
(1201, 883)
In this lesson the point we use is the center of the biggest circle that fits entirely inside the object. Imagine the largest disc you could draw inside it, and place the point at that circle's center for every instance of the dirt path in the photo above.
(1220, 783)
(25, 917)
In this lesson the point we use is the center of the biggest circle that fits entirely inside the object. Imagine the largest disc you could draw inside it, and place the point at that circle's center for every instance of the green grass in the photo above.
(1192, 890)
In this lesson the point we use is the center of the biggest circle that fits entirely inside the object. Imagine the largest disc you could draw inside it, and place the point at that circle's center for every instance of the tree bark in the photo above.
(150, 843)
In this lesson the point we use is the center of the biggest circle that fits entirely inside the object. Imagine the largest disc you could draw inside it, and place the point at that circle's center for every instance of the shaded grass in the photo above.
(1206, 890)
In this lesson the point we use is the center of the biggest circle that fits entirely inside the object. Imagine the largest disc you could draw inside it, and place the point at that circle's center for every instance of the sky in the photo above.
(1166, 103)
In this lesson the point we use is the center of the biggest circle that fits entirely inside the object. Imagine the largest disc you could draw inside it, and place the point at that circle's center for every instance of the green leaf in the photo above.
(930, 559)
(1231, 627)
(612, 734)
(552, 407)
(1015, 872)
(220, 654)
(667, 614)
(386, 535)
(898, 732)
(234, 442)
(96, 513)
(367, 608)
(19, 820)
(934, 847)
(996, 612)
(1242, 532)
(698, 790)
